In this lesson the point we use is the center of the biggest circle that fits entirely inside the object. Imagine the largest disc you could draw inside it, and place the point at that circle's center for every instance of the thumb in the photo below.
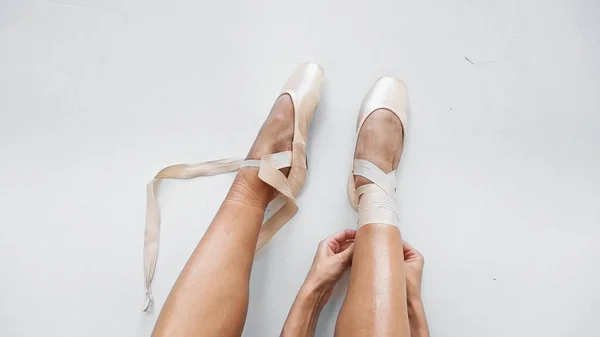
(346, 255)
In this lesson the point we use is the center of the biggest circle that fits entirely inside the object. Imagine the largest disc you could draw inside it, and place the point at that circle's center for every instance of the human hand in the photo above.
(413, 261)
(333, 256)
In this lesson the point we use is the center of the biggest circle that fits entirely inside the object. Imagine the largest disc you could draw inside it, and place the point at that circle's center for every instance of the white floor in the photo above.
(499, 186)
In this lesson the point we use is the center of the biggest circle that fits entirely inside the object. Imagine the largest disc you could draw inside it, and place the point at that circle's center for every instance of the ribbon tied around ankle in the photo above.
(375, 202)
(268, 171)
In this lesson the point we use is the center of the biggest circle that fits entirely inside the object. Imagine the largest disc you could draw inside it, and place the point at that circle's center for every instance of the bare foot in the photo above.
(380, 142)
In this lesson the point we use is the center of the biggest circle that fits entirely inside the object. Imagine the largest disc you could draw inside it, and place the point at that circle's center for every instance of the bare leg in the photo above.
(375, 304)
(210, 297)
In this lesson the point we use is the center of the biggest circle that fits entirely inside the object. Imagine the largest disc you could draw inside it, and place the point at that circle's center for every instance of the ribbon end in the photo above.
(149, 303)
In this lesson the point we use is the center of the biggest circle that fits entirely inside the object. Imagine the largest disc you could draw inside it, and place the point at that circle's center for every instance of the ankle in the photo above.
(249, 190)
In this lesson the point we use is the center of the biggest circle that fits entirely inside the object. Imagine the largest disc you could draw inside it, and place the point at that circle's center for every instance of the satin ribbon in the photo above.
(377, 204)
(268, 171)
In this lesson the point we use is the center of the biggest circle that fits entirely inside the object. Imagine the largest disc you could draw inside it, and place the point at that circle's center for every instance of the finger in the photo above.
(334, 241)
(406, 247)
(345, 245)
(329, 245)
(343, 236)
(346, 255)
(410, 251)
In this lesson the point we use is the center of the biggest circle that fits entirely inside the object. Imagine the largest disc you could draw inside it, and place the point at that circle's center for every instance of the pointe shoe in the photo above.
(377, 204)
(304, 88)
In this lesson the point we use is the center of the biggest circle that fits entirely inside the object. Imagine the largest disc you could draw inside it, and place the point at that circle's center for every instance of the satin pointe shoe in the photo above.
(377, 199)
(304, 88)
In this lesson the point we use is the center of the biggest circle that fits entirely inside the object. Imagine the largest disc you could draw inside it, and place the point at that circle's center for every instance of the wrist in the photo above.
(415, 306)
(417, 318)
(312, 292)
(304, 314)
(316, 285)
(414, 298)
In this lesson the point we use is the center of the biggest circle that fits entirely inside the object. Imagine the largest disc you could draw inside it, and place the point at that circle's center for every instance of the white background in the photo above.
(499, 185)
